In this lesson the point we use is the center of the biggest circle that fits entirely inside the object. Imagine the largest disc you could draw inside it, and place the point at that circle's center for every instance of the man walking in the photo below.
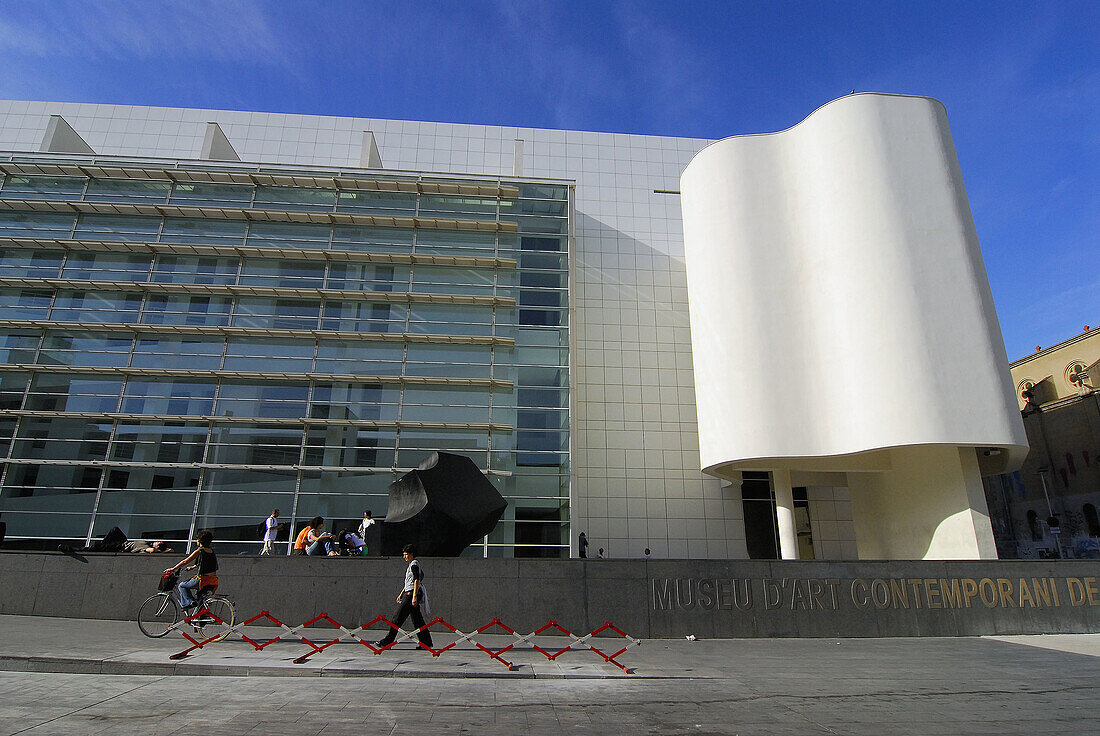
(271, 530)
(409, 602)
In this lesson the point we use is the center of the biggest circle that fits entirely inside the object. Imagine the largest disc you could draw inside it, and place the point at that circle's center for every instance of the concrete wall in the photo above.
(648, 599)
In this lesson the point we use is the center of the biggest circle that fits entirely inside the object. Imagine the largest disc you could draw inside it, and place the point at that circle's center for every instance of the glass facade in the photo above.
(188, 346)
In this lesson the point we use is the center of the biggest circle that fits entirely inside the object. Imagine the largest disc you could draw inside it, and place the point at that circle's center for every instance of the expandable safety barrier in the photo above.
(359, 634)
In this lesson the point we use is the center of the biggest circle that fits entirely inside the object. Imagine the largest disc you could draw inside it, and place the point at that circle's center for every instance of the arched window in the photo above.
(1033, 525)
(1075, 373)
(1024, 389)
(1091, 520)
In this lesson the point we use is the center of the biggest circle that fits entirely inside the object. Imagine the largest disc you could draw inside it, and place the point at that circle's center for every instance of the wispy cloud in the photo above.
(130, 29)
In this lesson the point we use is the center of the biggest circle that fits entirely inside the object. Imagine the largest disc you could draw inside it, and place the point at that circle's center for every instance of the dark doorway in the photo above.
(761, 528)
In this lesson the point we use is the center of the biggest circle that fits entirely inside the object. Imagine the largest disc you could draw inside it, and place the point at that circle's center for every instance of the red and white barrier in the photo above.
(359, 634)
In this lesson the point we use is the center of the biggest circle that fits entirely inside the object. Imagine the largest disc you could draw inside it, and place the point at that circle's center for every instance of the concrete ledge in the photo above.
(646, 599)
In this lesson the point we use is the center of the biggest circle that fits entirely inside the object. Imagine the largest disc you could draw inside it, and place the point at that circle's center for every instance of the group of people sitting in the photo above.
(314, 540)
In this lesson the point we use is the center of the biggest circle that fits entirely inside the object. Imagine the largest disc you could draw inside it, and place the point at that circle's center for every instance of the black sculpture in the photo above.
(442, 507)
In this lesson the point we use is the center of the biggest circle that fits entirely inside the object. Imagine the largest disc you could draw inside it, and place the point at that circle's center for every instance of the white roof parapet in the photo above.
(216, 146)
(369, 157)
(62, 138)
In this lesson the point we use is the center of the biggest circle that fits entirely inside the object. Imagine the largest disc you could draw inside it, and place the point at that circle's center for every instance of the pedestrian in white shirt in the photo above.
(271, 530)
(368, 522)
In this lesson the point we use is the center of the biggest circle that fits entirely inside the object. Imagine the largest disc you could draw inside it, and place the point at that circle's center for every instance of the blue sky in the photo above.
(1021, 82)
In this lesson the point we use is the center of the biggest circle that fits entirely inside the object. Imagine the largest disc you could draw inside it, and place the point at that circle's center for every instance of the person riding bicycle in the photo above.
(206, 580)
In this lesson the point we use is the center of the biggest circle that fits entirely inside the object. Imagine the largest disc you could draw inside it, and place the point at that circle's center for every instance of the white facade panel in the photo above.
(839, 302)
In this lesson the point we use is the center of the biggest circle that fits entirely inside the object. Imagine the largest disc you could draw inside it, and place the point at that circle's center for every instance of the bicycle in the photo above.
(211, 619)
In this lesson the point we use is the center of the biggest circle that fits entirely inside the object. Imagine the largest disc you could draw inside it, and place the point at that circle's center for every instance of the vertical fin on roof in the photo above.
(369, 157)
(216, 146)
(61, 138)
(517, 158)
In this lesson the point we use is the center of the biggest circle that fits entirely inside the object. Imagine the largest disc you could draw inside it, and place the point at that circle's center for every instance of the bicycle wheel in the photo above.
(157, 615)
(217, 619)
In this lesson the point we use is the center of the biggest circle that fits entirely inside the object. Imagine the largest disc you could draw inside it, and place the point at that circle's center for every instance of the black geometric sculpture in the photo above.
(442, 507)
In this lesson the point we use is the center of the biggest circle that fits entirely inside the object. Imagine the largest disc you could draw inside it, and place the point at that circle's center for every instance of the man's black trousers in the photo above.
(405, 609)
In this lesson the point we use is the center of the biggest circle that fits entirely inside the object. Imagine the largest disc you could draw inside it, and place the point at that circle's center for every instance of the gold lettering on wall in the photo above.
(823, 594)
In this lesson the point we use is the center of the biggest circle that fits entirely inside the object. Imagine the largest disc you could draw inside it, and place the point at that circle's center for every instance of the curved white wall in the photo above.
(839, 303)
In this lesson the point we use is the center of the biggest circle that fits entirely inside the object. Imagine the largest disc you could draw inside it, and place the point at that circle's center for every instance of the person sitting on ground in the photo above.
(318, 539)
(350, 542)
(207, 578)
(300, 542)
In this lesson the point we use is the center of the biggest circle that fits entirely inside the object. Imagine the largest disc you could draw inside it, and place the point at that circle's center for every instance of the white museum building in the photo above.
(767, 346)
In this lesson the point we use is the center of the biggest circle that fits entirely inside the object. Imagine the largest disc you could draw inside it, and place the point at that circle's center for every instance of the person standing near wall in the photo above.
(582, 545)
(271, 530)
(409, 601)
(367, 523)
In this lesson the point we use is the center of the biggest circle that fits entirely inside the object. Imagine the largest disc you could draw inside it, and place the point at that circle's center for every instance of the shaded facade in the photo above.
(1050, 507)
(190, 344)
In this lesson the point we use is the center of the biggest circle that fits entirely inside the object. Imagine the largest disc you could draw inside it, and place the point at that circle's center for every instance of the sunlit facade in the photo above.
(206, 314)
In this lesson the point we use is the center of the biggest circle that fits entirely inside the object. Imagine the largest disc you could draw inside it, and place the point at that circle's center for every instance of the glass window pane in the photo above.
(374, 358)
(59, 438)
(25, 303)
(38, 264)
(295, 198)
(279, 314)
(204, 193)
(43, 187)
(378, 402)
(85, 348)
(159, 442)
(288, 235)
(255, 444)
(451, 280)
(245, 399)
(18, 347)
(283, 273)
(60, 392)
(341, 446)
(195, 270)
(367, 277)
(364, 316)
(96, 306)
(196, 230)
(163, 309)
(378, 203)
(35, 225)
(269, 355)
(168, 396)
(373, 239)
(107, 266)
(128, 190)
(415, 445)
(198, 353)
(68, 488)
(456, 242)
(116, 227)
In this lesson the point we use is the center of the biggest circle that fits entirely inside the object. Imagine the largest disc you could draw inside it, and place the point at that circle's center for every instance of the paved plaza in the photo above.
(73, 677)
